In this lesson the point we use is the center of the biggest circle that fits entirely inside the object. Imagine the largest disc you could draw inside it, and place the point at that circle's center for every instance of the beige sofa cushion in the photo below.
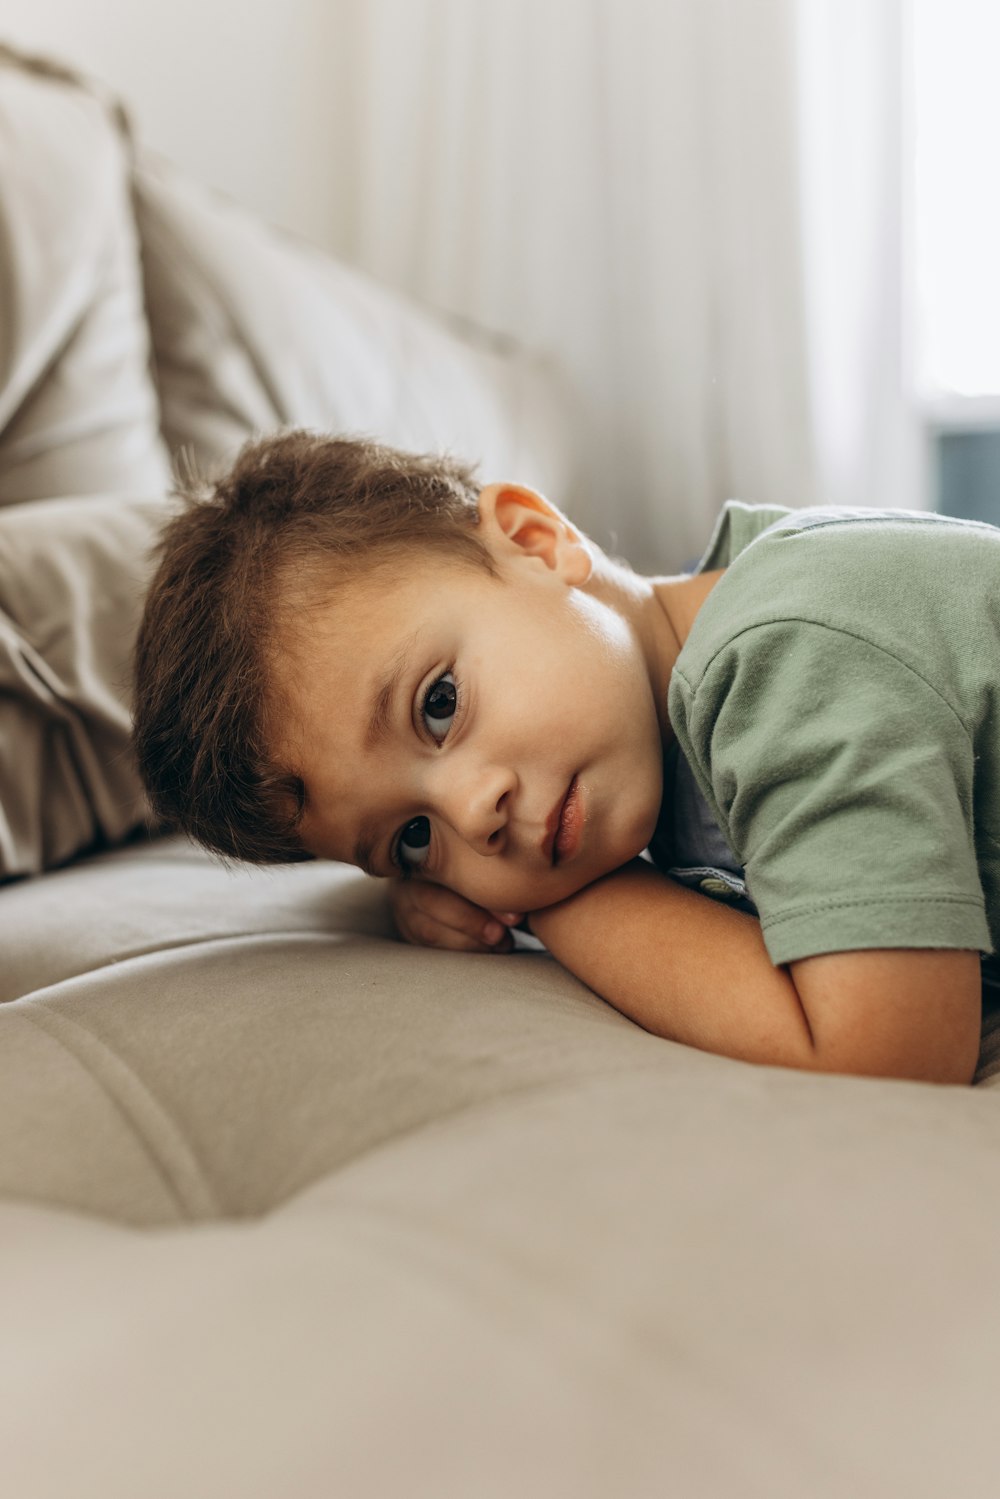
(252, 329)
(78, 411)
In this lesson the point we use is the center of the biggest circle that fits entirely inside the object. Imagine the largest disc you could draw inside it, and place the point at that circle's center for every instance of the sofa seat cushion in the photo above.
(204, 1043)
(193, 1042)
(318, 1213)
(157, 893)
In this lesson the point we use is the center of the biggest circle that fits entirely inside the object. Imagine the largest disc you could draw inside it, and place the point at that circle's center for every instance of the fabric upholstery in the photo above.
(78, 412)
(72, 577)
(291, 1207)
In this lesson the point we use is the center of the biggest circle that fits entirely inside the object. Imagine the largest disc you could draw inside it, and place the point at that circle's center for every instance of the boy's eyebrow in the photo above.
(381, 714)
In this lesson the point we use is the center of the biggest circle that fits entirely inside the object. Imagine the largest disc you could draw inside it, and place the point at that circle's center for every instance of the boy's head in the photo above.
(354, 652)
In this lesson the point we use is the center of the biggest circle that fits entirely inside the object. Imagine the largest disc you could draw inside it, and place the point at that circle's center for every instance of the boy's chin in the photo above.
(565, 889)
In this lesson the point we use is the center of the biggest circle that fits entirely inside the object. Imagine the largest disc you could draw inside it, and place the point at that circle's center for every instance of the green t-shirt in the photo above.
(838, 703)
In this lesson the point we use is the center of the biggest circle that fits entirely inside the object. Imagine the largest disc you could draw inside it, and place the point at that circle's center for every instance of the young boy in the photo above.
(358, 654)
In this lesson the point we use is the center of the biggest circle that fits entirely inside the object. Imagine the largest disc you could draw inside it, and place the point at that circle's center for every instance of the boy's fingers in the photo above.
(438, 906)
(434, 934)
(434, 916)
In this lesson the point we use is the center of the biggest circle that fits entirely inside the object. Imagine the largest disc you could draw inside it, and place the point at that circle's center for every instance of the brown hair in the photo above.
(202, 655)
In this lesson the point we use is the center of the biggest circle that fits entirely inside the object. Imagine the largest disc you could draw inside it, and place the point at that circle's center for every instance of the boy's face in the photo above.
(505, 694)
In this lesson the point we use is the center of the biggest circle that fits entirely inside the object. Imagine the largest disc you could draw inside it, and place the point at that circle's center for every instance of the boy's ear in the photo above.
(515, 516)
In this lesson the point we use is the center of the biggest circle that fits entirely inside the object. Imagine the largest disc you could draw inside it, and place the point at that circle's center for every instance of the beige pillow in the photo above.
(253, 328)
(73, 574)
(78, 409)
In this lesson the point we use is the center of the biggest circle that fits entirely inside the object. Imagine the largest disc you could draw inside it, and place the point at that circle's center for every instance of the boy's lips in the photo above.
(563, 826)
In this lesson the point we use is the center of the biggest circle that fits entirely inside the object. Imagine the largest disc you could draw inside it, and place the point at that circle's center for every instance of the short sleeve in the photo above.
(843, 781)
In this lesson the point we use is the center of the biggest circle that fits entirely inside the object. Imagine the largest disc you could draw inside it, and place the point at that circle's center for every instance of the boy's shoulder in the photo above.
(737, 525)
(740, 524)
(890, 577)
(831, 701)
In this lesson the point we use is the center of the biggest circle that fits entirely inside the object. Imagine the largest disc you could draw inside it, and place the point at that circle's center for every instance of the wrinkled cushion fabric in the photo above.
(253, 328)
(78, 410)
(73, 573)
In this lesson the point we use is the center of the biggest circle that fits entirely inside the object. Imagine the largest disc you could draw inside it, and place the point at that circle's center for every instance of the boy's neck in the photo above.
(681, 600)
(662, 611)
(677, 604)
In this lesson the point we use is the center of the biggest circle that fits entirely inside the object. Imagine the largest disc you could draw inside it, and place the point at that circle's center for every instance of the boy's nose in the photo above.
(478, 807)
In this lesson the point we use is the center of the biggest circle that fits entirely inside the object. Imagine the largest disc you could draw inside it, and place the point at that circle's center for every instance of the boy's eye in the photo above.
(438, 710)
(440, 705)
(413, 844)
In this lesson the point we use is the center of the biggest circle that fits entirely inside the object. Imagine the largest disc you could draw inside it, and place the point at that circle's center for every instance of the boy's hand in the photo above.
(433, 916)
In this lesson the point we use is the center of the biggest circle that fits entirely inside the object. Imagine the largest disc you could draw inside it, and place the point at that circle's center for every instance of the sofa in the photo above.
(288, 1207)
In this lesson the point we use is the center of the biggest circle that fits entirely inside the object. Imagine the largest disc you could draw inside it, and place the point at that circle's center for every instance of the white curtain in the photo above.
(857, 154)
(627, 185)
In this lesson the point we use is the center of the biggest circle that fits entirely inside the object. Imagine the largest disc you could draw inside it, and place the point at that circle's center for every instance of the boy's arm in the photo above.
(693, 970)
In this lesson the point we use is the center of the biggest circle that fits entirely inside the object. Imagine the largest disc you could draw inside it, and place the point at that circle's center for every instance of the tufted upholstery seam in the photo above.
(154, 950)
(173, 1157)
